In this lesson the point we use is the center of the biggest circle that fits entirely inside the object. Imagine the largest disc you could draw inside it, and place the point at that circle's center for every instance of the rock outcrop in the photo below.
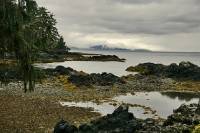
(64, 127)
(104, 79)
(184, 120)
(61, 70)
(120, 121)
(84, 79)
(184, 70)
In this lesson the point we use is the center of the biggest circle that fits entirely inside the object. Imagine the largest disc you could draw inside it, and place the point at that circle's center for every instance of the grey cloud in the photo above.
(138, 1)
(141, 18)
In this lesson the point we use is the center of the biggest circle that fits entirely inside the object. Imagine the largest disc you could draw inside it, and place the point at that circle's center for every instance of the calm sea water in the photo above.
(163, 103)
(132, 58)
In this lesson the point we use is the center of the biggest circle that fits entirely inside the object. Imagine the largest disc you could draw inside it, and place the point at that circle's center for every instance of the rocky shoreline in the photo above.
(182, 71)
(75, 56)
(66, 84)
(186, 119)
(138, 82)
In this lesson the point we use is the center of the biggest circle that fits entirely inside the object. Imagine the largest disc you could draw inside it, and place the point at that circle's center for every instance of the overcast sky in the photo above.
(166, 25)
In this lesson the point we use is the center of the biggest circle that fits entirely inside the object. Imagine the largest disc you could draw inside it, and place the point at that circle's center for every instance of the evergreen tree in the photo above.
(25, 30)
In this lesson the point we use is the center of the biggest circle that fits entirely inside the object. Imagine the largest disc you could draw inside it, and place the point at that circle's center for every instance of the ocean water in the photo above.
(163, 103)
(132, 58)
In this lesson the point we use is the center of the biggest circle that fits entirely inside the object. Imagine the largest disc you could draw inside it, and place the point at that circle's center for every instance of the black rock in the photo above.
(64, 127)
(184, 70)
(198, 108)
(104, 79)
(185, 114)
(183, 120)
(120, 121)
(121, 109)
(183, 109)
(147, 68)
(60, 70)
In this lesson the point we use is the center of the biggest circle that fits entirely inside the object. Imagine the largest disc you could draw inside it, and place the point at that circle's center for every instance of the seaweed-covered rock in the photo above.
(63, 70)
(64, 127)
(198, 108)
(184, 70)
(84, 79)
(120, 121)
(60, 70)
(185, 119)
(103, 79)
(147, 68)
(185, 114)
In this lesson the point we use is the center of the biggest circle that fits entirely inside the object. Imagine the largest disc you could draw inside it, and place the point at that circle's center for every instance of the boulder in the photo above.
(64, 127)
(60, 70)
(121, 109)
(198, 108)
(147, 68)
(63, 70)
(120, 121)
(183, 109)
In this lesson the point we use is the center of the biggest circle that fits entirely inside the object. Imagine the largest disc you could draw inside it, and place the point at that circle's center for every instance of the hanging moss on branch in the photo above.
(26, 29)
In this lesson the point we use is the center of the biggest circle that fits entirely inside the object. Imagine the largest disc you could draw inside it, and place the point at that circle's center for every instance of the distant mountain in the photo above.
(100, 47)
(105, 47)
(75, 48)
(141, 50)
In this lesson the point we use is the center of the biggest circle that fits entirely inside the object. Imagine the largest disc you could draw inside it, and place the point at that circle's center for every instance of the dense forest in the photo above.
(26, 29)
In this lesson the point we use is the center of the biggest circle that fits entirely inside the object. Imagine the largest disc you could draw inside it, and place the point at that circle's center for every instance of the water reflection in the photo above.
(142, 102)
(132, 58)
(187, 96)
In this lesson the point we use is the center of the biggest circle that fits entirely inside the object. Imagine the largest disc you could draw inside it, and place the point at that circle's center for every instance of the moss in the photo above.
(196, 129)
(140, 69)
(65, 82)
(188, 86)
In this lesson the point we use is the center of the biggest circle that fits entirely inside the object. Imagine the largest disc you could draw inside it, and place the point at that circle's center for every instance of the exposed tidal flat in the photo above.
(79, 97)
(52, 101)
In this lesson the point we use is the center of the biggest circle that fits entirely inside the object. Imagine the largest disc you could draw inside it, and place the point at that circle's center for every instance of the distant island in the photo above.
(141, 50)
(107, 48)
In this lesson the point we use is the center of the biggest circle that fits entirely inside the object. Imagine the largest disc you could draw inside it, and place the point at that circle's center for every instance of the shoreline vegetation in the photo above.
(75, 56)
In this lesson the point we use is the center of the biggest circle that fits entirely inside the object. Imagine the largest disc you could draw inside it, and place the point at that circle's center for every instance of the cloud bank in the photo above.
(166, 25)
